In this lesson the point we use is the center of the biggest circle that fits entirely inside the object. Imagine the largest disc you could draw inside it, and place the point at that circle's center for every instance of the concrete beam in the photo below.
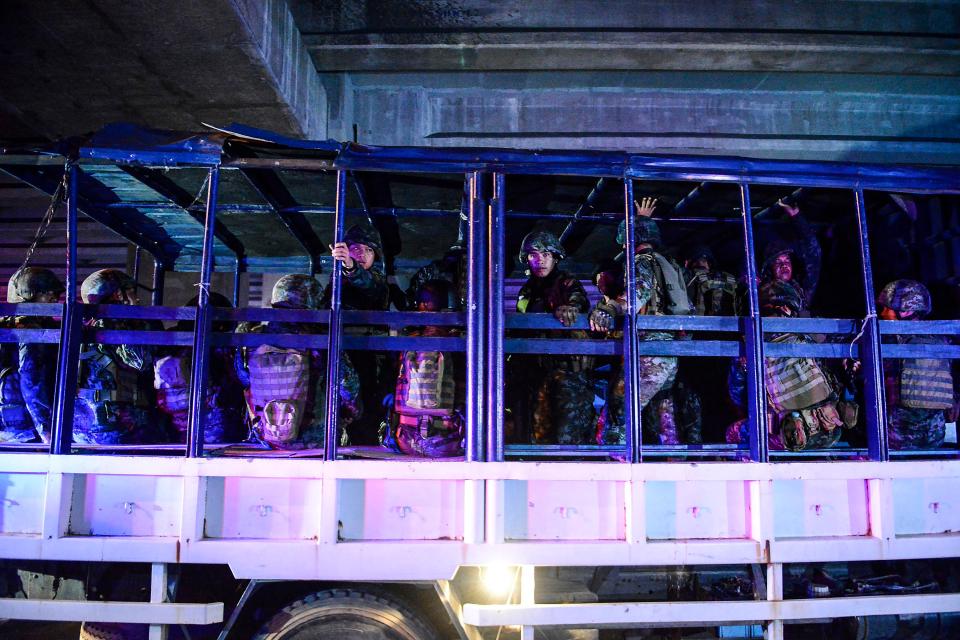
(72, 66)
(636, 51)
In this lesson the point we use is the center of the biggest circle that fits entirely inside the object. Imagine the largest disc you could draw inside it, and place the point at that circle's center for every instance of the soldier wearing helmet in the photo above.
(795, 259)
(919, 391)
(559, 386)
(653, 295)
(451, 268)
(115, 384)
(806, 406)
(284, 387)
(28, 370)
(365, 288)
(224, 404)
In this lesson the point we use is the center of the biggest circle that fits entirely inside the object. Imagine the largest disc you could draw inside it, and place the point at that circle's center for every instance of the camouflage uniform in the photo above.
(656, 373)
(805, 254)
(815, 417)
(367, 290)
(16, 424)
(560, 384)
(224, 406)
(915, 427)
(298, 292)
(34, 368)
(450, 269)
(116, 396)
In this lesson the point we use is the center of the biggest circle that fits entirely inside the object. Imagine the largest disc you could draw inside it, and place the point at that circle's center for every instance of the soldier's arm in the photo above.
(808, 249)
(37, 363)
(371, 284)
(646, 281)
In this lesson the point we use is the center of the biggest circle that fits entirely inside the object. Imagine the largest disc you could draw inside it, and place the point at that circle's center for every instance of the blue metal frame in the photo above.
(632, 405)
(334, 338)
(484, 343)
(202, 326)
(61, 435)
(753, 342)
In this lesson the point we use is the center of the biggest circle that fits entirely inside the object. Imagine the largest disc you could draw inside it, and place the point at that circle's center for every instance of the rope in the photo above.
(863, 327)
(59, 195)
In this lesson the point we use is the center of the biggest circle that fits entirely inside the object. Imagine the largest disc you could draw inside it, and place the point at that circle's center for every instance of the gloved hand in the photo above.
(566, 314)
(602, 317)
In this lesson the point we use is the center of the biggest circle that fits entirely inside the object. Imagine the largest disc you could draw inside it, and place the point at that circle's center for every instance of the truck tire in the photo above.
(112, 631)
(346, 614)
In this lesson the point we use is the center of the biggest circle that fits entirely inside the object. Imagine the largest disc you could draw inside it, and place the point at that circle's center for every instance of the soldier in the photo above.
(562, 392)
(712, 292)
(451, 269)
(797, 262)
(805, 409)
(365, 288)
(659, 291)
(919, 390)
(224, 405)
(28, 372)
(428, 401)
(116, 395)
(285, 387)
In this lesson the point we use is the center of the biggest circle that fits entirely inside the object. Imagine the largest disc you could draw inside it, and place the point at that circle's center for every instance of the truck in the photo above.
(511, 539)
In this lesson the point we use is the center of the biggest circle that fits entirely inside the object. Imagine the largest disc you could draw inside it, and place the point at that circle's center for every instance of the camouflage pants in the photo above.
(656, 374)
(105, 422)
(221, 424)
(915, 428)
(563, 409)
(673, 416)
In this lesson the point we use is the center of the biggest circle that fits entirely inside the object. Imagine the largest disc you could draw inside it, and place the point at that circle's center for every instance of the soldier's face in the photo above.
(362, 255)
(700, 264)
(48, 297)
(783, 267)
(541, 263)
(127, 296)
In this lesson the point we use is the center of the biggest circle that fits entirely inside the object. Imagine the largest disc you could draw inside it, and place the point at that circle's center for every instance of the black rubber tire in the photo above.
(346, 614)
(113, 631)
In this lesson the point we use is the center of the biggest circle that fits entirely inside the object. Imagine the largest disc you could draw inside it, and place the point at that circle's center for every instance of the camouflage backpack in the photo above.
(713, 293)
(794, 383)
(670, 282)
(926, 383)
(279, 381)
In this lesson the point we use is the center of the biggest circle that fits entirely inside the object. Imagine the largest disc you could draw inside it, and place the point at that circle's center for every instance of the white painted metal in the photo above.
(95, 611)
(158, 594)
(628, 614)
(370, 520)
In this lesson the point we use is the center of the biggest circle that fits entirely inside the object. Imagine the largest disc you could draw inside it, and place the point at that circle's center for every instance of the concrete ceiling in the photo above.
(859, 79)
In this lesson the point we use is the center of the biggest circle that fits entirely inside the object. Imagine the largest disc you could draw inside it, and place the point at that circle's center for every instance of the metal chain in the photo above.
(58, 197)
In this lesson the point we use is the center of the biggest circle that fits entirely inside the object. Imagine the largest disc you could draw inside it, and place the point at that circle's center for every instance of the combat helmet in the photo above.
(777, 293)
(296, 291)
(29, 282)
(541, 241)
(364, 234)
(646, 230)
(906, 295)
(100, 285)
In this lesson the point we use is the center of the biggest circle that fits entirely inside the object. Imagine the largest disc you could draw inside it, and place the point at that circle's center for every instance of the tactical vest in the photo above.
(426, 381)
(926, 383)
(106, 379)
(794, 383)
(279, 387)
(15, 422)
(713, 294)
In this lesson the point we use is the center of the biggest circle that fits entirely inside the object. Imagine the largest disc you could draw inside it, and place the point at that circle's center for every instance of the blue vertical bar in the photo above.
(495, 362)
(159, 271)
(240, 268)
(65, 387)
(333, 337)
(632, 407)
(201, 327)
(476, 305)
(136, 265)
(753, 337)
(871, 351)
